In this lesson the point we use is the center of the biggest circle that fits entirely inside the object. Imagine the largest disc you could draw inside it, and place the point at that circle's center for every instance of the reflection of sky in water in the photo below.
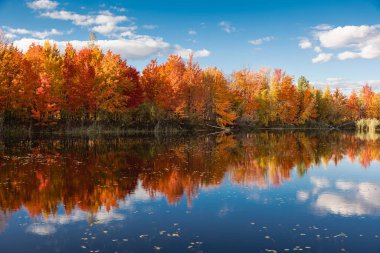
(331, 208)
(47, 226)
(353, 192)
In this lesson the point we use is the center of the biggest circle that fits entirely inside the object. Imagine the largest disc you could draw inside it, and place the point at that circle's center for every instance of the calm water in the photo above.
(262, 192)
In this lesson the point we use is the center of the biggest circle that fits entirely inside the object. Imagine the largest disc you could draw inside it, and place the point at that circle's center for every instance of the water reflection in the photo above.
(349, 198)
(94, 175)
(93, 179)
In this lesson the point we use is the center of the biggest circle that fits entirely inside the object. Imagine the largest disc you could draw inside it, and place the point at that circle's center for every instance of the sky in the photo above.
(335, 43)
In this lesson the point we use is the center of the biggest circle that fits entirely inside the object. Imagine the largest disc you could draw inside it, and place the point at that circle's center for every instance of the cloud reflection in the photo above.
(41, 229)
(349, 199)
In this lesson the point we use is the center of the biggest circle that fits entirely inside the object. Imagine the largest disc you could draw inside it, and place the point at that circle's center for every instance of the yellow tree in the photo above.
(247, 86)
(325, 103)
(307, 101)
(217, 98)
(308, 110)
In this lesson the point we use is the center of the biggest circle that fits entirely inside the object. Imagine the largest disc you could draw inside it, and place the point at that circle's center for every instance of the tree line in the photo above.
(44, 87)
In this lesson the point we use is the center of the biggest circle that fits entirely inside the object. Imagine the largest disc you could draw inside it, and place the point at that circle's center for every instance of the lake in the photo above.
(257, 192)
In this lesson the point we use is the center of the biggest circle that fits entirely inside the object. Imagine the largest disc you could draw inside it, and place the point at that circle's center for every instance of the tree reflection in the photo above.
(89, 174)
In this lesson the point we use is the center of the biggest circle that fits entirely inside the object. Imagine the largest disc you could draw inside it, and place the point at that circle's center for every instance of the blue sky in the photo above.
(330, 42)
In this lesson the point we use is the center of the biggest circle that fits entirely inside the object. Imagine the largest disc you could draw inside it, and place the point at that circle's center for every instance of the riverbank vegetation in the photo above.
(45, 89)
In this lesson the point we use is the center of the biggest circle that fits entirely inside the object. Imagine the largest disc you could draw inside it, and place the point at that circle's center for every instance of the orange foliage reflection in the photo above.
(92, 173)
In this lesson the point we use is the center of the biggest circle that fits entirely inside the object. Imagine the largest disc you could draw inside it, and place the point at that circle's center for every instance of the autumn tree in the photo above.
(16, 83)
(247, 86)
(217, 98)
(45, 109)
(353, 107)
(324, 105)
(190, 93)
(117, 86)
(367, 95)
(287, 101)
(307, 101)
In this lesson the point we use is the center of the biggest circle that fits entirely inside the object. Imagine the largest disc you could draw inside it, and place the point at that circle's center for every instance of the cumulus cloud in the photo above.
(227, 27)
(345, 85)
(262, 40)
(347, 42)
(135, 48)
(304, 43)
(42, 5)
(14, 32)
(192, 32)
(119, 30)
(346, 36)
(104, 22)
(322, 57)
(186, 52)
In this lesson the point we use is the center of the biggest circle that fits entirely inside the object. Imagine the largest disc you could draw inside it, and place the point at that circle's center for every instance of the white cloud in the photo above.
(192, 32)
(227, 27)
(36, 34)
(149, 27)
(136, 48)
(42, 5)
(337, 204)
(322, 57)
(319, 183)
(104, 22)
(302, 196)
(322, 27)
(304, 43)
(185, 52)
(353, 199)
(118, 9)
(346, 86)
(260, 41)
(123, 39)
(344, 185)
(41, 229)
(77, 215)
(348, 42)
(346, 36)
(317, 49)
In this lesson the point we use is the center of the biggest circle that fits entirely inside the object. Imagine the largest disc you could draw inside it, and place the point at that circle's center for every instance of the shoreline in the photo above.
(116, 131)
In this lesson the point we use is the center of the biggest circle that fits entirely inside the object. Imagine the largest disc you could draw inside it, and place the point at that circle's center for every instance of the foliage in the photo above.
(43, 87)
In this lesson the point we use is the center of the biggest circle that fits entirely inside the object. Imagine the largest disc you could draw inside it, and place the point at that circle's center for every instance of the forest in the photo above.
(44, 88)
